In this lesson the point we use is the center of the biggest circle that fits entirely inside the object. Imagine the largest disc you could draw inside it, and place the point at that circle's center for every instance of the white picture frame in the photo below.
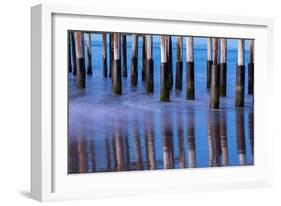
(49, 179)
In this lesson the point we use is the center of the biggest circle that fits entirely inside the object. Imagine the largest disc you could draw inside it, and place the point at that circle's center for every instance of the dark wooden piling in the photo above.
(170, 62)
(134, 64)
(215, 78)
(89, 54)
(80, 61)
(149, 65)
(190, 90)
(164, 73)
(73, 53)
(223, 68)
(116, 72)
(209, 61)
(69, 64)
(111, 52)
(251, 69)
(179, 64)
(240, 75)
(143, 71)
(104, 54)
(124, 55)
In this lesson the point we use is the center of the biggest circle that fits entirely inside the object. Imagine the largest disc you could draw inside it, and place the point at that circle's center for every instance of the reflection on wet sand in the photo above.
(241, 146)
(119, 150)
(217, 139)
(149, 142)
(167, 142)
(191, 140)
(223, 137)
(180, 132)
(107, 152)
(251, 133)
(127, 147)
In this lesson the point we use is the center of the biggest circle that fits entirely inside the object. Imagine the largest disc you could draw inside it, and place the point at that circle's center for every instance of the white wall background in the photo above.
(15, 101)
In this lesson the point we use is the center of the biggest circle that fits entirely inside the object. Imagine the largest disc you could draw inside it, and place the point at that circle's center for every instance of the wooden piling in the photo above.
(73, 53)
(164, 88)
(215, 78)
(190, 90)
(223, 67)
(143, 71)
(170, 62)
(111, 52)
(69, 52)
(124, 55)
(104, 54)
(251, 69)
(240, 75)
(89, 54)
(80, 61)
(116, 72)
(179, 64)
(134, 64)
(209, 61)
(149, 64)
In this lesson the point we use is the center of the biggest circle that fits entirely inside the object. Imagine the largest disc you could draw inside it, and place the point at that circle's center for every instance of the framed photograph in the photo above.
(140, 102)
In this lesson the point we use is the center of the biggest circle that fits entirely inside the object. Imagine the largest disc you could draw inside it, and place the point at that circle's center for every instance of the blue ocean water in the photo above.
(136, 131)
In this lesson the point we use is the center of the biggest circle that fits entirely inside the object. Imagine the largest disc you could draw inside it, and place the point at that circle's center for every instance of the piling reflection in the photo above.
(107, 152)
(119, 150)
(81, 152)
(217, 139)
(223, 138)
(241, 146)
(251, 132)
(149, 141)
(191, 140)
(138, 151)
(91, 154)
(165, 141)
(180, 133)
